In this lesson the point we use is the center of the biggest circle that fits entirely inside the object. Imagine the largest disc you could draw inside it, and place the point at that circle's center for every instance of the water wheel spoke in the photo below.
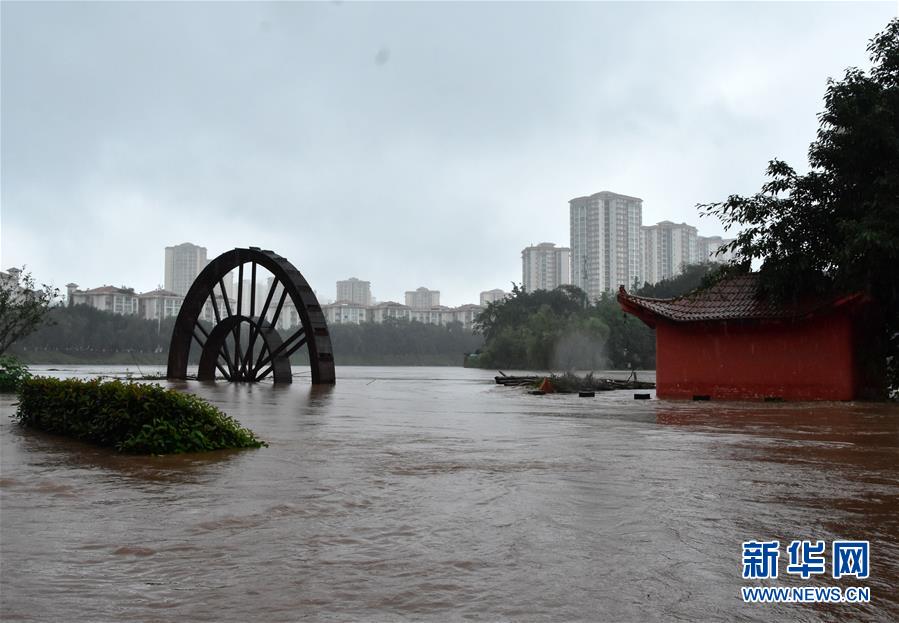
(252, 288)
(262, 351)
(274, 321)
(251, 338)
(236, 329)
(273, 324)
(215, 307)
(264, 374)
(225, 296)
(268, 300)
(256, 328)
(222, 370)
(300, 335)
(295, 347)
(223, 351)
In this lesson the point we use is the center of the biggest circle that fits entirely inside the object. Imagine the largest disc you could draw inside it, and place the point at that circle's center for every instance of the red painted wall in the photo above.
(803, 360)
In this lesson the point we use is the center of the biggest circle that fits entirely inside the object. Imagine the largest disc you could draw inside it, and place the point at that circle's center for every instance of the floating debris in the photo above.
(571, 383)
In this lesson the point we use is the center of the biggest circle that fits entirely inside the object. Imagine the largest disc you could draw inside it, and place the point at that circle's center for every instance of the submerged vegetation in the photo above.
(130, 417)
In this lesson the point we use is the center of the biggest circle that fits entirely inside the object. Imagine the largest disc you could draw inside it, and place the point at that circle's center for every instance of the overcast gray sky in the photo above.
(408, 144)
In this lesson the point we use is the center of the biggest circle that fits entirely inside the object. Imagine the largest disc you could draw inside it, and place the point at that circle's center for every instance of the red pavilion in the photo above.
(728, 342)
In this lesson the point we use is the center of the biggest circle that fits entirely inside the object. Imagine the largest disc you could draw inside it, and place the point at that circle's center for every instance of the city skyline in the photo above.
(183, 261)
(246, 128)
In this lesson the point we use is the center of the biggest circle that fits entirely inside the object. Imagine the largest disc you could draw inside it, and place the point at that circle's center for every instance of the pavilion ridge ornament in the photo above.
(244, 343)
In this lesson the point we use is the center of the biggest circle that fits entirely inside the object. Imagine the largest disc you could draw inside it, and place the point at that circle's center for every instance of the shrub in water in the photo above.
(12, 373)
(131, 417)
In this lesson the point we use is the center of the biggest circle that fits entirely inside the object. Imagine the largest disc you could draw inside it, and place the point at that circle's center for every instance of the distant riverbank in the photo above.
(56, 357)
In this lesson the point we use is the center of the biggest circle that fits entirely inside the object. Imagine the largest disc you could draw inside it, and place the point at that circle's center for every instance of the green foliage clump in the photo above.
(130, 417)
(544, 329)
(12, 373)
(562, 330)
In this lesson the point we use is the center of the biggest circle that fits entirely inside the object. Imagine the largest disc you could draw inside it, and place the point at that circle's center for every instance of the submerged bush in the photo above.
(12, 373)
(130, 417)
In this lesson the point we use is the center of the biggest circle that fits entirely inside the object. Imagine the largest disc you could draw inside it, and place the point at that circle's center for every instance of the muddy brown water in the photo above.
(431, 494)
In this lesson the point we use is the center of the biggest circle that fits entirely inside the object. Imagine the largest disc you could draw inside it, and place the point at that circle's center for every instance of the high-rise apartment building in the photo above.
(183, 263)
(707, 247)
(545, 267)
(422, 298)
(354, 290)
(667, 248)
(605, 242)
(492, 296)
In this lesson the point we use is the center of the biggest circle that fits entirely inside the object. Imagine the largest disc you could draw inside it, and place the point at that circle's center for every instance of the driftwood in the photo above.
(571, 384)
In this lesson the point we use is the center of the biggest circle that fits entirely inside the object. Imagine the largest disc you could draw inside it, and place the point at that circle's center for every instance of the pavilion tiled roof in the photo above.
(733, 298)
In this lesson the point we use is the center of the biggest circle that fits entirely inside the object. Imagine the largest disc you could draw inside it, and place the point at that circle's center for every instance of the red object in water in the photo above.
(546, 387)
(728, 342)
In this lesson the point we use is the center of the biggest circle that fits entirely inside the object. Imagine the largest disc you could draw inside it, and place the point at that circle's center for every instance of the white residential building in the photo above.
(183, 262)
(389, 310)
(439, 315)
(545, 267)
(345, 313)
(605, 242)
(707, 247)
(467, 314)
(422, 298)
(354, 290)
(667, 248)
(106, 298)
(159, 304)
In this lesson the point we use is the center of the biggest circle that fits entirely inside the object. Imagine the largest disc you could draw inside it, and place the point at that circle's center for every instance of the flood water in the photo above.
(431, 494)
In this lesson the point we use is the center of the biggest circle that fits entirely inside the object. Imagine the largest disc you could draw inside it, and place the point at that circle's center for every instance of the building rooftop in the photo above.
(606, 193)
(108, 290)
(160, 292)
(734, 298)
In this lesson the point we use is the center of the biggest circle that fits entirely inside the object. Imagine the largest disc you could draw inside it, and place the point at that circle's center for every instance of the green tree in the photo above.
(836, 227)
(23, 306)
(692, 277)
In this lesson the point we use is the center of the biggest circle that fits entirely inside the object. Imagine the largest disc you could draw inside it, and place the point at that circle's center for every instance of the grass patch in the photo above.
(131, 417)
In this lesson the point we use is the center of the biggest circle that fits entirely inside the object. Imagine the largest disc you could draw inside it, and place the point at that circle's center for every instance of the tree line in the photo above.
(83, 334)
(556, 329)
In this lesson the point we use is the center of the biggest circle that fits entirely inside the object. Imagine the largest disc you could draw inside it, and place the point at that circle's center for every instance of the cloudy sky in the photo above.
(408, 144)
